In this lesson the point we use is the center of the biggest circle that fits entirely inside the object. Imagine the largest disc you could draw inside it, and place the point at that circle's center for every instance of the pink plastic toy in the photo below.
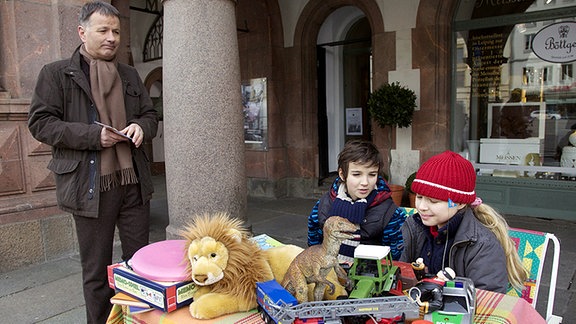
(161, 261)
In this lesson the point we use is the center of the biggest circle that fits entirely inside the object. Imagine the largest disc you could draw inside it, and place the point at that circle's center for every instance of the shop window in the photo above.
(547, 74)
(567, 72)
(528, 42)
(528, 76)
(515, 89)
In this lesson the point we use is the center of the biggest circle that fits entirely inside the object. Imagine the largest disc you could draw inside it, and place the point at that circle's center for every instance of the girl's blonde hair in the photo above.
(488, 216)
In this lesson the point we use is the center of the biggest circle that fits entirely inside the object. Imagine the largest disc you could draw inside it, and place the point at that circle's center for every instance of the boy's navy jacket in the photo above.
(380, 226)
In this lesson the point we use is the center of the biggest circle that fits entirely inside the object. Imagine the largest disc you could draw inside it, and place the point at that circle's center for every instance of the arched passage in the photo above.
(153, 84)
(326, 135)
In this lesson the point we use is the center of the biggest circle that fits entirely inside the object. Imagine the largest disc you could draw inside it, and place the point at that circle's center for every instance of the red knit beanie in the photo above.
(446, 176)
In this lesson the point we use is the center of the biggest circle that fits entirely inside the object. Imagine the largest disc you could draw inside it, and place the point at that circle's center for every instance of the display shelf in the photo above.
(523, 168)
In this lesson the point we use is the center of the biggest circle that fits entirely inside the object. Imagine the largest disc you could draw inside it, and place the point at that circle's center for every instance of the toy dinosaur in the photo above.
(313, 264)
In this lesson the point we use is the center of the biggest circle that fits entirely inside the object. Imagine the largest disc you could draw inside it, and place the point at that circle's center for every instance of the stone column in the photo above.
(203, 123)
(9, 77)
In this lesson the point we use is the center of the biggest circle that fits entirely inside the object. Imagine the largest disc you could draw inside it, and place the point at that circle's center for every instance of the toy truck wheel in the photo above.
(265, 317)
(362, 319)
(396, 279)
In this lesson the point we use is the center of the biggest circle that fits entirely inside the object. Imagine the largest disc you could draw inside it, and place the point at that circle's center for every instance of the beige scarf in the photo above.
(115, 162)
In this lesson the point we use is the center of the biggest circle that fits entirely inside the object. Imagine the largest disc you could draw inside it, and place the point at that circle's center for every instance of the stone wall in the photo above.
(32, 228)
(32, 33)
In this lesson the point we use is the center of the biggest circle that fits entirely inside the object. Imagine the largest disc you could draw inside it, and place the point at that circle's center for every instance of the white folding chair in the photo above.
(531, 247)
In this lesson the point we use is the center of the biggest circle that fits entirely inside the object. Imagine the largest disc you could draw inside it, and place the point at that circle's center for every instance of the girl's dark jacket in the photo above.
(476, 252)
(62, 114)
(380, 226)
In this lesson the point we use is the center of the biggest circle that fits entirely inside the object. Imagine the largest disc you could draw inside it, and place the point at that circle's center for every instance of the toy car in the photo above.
(546, 114)
(278, 306)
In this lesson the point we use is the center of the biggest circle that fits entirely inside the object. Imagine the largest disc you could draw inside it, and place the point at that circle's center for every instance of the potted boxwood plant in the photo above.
(396, 191)
(392, 105)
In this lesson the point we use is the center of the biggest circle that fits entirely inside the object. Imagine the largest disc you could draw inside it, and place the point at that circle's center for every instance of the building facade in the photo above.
(490, 84)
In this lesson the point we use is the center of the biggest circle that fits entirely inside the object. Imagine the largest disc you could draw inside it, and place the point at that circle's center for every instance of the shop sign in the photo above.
(556, 43)
(510, 151)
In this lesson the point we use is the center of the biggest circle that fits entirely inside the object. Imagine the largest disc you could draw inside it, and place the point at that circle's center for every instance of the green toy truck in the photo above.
(373, 273)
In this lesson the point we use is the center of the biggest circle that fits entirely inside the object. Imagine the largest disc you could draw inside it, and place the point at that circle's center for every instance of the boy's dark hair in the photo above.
(359, 151)
(101, 7)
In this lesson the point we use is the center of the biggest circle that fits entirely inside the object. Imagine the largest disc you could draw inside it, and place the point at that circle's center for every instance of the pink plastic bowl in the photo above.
(161, 261)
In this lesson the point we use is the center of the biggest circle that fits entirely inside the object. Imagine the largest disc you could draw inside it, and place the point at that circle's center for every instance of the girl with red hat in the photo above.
(453, 228)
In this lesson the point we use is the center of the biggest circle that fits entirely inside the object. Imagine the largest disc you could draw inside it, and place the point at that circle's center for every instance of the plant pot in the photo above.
(412, 199)
(397, 193)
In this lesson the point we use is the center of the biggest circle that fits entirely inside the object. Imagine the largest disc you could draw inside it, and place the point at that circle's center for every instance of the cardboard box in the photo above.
(265, 242)
(511, 151)
(166, 296)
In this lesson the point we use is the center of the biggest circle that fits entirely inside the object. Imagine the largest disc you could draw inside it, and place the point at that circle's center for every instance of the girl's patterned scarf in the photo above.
(115, 162)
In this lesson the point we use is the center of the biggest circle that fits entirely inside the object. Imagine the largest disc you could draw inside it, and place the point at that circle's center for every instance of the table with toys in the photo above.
(486, 306)
(491, 307)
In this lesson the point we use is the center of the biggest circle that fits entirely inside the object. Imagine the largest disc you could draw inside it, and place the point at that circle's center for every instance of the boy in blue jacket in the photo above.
(361, 195)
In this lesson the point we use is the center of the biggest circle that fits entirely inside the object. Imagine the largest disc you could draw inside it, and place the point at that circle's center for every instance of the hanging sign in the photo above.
(556, 43)
(354, 121)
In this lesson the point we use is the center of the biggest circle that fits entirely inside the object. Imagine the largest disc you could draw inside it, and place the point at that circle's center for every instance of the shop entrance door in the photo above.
(344, 85)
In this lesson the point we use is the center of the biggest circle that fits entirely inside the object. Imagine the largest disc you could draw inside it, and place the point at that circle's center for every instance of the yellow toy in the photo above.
(225, 264)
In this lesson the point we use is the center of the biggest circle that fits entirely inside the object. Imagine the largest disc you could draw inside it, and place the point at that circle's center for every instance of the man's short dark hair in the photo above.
(101, 7)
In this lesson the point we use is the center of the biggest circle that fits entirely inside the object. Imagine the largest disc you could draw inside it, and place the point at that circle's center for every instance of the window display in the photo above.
(515, 91)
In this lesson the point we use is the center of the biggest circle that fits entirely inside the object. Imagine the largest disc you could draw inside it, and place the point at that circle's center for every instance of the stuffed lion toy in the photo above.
(225, 264)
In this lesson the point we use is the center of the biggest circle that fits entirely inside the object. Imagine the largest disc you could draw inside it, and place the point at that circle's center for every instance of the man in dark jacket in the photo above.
(102, 174)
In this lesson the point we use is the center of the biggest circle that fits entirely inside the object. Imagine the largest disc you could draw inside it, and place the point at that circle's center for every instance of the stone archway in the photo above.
(153, 84)
(305, 41)
(153, 77)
